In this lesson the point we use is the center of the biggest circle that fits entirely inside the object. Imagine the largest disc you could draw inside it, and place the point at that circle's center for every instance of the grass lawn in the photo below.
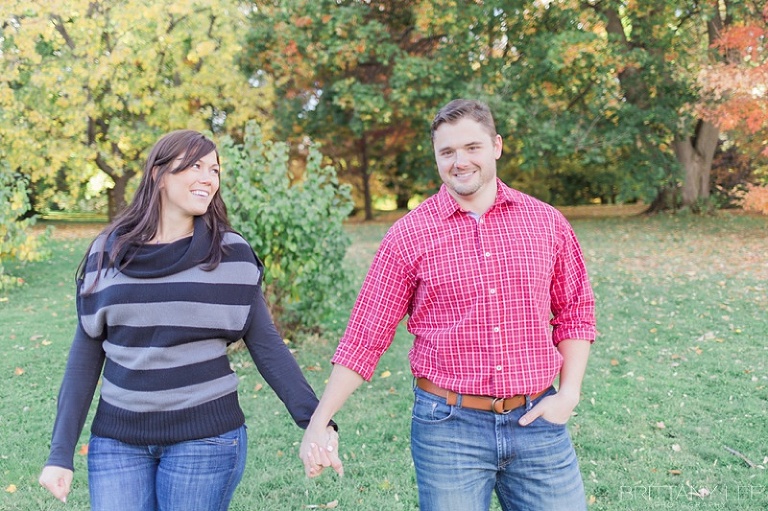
(674, 399)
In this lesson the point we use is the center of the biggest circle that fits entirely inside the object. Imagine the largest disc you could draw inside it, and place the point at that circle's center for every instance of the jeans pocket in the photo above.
(228, 439)
(428, 408)
(551, 424)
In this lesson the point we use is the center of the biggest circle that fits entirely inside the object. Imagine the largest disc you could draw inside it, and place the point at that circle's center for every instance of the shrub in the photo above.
(296, 228)
(755, 199)
(16, 240)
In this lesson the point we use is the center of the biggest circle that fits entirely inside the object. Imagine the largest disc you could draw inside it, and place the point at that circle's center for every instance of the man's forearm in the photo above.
(341, 384)
(575, 354)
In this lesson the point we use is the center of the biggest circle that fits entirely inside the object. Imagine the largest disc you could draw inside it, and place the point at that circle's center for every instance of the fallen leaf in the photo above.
(614, 362)
(258, 387)
(386, 374)
(592, 499)
(83, 450)
(313, 368)
(18, 371)
(46, 343)
(661, 425)
(676, 447)
(675, 472)
(11, 488)
(331, 505)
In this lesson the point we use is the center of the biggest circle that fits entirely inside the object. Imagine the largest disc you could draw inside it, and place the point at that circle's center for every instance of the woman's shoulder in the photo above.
(236, 241)
(237, 249)
(98, 244)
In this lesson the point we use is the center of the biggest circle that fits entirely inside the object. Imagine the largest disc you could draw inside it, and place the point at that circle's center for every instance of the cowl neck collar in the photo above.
(153, 261)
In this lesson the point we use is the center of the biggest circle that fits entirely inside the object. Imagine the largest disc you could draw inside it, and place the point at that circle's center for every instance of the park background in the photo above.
(645, 122)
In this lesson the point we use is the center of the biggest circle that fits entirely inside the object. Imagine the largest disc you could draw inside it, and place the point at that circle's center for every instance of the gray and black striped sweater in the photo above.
(160, 328)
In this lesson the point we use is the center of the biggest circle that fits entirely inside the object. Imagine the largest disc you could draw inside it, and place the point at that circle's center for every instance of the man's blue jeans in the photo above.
(198, 475)
(462, 455)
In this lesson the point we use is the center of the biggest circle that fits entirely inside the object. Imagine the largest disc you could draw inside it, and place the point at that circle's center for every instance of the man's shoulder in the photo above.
(532, 205)
(423, 217)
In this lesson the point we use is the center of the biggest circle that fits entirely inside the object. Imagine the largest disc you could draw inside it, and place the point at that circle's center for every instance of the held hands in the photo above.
(319, 450)
(56, 480)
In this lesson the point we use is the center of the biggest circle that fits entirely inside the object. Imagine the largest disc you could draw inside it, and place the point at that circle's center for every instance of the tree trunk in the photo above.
(695, 155)
(666, 199)
(116, 202)
(365, 174)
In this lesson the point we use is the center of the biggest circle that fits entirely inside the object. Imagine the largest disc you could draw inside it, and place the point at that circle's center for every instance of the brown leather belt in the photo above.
(486, 403)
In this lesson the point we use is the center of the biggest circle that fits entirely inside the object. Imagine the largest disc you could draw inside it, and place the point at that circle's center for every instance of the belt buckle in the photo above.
(501, 410)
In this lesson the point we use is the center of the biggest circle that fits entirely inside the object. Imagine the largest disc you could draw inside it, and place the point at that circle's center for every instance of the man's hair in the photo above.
(460, 108)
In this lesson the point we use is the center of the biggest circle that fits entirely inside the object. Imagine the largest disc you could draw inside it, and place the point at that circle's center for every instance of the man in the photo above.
(499, 303)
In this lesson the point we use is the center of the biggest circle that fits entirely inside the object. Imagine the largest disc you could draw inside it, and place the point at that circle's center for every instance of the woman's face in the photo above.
(189, 192)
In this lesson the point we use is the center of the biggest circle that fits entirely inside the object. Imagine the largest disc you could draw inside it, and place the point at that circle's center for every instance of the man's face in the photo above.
(466, 155)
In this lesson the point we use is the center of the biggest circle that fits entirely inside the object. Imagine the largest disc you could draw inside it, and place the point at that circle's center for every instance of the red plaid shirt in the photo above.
(488, 299)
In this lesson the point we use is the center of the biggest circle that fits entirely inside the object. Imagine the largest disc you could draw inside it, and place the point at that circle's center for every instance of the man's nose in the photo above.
(461, 159)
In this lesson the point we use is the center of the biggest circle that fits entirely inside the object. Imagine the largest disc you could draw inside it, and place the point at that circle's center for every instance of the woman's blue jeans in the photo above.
(462, 455)
(197, 475)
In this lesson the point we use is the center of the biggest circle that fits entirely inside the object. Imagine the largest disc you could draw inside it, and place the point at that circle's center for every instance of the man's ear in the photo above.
(497, 146)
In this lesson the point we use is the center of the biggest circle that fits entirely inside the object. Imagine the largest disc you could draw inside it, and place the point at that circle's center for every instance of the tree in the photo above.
(659, 47)
(358, 77)
(87, 86)
(584, 91)
(735, 89)
(16, 240)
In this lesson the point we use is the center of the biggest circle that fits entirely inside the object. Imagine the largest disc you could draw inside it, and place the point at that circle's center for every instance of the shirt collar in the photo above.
(447, 205)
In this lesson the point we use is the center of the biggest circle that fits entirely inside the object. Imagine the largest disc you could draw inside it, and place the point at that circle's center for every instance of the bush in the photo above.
(755, 199)
(296, 228)
(16, 240)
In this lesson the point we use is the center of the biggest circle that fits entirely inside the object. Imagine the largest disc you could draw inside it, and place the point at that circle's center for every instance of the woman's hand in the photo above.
(57, 480)
(319, 450)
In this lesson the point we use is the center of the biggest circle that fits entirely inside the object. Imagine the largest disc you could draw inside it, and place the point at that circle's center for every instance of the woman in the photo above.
(161, 292)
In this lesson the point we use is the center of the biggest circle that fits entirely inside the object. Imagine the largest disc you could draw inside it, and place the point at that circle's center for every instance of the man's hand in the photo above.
(556, 408)
(319, 450)
(56, 480)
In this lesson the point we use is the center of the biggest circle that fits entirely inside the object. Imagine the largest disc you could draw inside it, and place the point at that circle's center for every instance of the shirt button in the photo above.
(487, 254)
(496, 329)
(498, 368)
(492, 291)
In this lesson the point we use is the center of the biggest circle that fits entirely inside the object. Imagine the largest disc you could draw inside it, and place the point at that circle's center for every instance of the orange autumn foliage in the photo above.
(735, 90)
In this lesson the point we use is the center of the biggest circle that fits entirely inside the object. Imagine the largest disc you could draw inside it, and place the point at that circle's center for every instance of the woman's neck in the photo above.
(169, 235)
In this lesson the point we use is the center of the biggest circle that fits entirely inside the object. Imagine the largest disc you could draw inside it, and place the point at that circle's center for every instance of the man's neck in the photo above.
(477, 203)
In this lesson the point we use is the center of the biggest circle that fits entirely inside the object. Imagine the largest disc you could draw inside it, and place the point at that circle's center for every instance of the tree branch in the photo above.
(58, 23)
